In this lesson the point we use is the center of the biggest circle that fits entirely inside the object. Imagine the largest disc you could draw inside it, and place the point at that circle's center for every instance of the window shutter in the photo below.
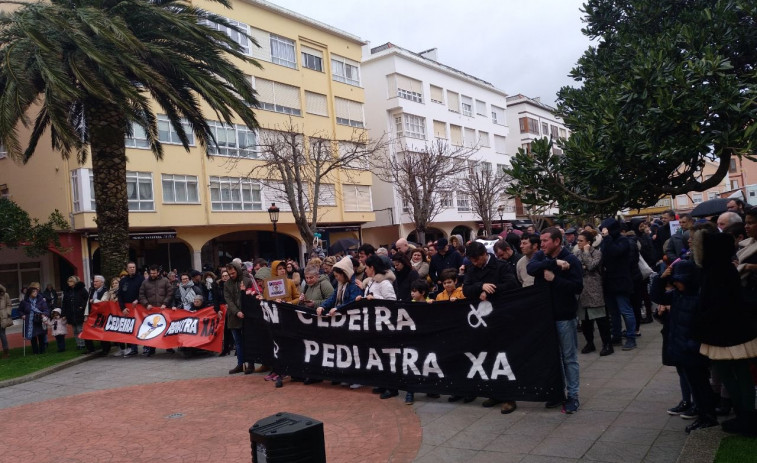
(356, 110)
(350, 197)
(499, 144)
(315, 103)
(326, 195)
(311, 51)
(263, 39)
(342, 108)
(456, 135)
(437, 93)
(265, 90)
(453, 101)
(440, 129)
(364, 198)
(470, 137)
(480, 108)
(287, 95)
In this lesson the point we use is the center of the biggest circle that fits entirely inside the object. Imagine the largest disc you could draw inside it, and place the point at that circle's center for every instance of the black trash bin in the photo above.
(287, 438)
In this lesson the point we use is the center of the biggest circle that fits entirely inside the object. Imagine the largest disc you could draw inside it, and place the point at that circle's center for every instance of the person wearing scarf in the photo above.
(185, 294)
(33, 308)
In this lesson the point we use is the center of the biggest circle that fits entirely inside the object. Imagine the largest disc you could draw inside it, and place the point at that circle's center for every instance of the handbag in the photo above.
(645, 269)
(37, 318)
(6, 322)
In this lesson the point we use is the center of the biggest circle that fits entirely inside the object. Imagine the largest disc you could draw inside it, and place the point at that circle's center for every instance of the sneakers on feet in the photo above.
(680, 408)
(629, 345)
(571, 405)
(389, 393)
(271, 376)
(690, 414)
(355, 386)
(130, 352)
(409, 398)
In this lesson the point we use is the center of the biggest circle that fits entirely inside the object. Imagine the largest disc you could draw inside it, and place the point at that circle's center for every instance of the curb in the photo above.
(702, 445)
(47, 371)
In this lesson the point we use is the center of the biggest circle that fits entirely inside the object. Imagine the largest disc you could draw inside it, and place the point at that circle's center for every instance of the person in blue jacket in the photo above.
(346, 291)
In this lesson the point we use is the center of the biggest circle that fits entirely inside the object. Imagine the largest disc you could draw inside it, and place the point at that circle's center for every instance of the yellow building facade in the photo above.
(195, 208)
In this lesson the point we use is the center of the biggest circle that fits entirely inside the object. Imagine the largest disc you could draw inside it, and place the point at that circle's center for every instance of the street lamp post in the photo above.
(273, 214)
(501, 212)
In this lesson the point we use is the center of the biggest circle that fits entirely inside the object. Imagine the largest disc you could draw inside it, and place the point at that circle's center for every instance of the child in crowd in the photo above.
(450, 290)
(60, 328)
(419, 293)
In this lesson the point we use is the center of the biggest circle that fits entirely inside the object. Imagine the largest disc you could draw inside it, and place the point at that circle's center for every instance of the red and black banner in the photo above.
(507, 349)
(164, 329)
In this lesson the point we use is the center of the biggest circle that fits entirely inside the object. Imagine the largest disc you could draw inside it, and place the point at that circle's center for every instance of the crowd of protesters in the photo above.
(699, 280)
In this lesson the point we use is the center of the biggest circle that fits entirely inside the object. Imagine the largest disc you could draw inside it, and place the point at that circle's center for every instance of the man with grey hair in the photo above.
(383, 253)
(728, 218)
(96, 294)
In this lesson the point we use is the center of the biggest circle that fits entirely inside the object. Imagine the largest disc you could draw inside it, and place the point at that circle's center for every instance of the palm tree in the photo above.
(90, 69)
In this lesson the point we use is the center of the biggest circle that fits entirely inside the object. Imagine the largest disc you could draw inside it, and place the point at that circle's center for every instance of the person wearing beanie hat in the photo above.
(60, 328)
(346, 289)
(445, 257)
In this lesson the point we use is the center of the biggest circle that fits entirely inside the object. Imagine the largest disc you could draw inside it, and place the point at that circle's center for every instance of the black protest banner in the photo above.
(507, 350)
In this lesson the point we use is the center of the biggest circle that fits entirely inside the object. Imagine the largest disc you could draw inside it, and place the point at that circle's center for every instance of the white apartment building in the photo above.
(531, 119)
(413, 98)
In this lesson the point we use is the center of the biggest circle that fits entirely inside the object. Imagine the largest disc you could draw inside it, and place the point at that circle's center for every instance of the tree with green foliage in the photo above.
(669, 85)
(89, 71)
(17, 229)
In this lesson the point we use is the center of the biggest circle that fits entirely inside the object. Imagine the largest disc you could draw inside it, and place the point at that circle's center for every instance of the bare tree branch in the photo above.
(485, 188)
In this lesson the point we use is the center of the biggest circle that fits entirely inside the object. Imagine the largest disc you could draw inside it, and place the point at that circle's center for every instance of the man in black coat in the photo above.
(445, 257)
(486, 279)
(559, 271)
(128, 293)
(617, 262)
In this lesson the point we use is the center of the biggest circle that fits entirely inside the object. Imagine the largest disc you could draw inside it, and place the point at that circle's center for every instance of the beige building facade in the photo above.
(203, 207)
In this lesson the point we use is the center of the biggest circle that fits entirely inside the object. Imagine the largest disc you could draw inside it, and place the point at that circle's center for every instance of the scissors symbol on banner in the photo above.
(484, 308)
(275, 349)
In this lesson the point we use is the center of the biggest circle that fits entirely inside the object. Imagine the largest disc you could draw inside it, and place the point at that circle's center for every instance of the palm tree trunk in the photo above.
(107, 128)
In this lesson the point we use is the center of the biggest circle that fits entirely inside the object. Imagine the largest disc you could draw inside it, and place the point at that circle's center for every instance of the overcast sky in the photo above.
(524, 46)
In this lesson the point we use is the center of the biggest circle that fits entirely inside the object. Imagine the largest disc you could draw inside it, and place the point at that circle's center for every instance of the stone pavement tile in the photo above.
(662, 455)
(616, 452)
(546, 459)
(485, 456)
(673, 439)
(438, 432)
(670, 395)
(565, 447)
(643, 420)
(425, 448)
(633, 382)
(677, 424)
(447, 455)
(513, 443)
(574, 430)
(649, 406)
(472, 440)
(594, 417)
(627, 435)
(493, 423)
(532, 426)
(606, 404)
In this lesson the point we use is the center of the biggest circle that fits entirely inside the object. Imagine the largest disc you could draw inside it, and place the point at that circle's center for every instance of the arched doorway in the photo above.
(463, 231)
(248, 245)
(432, 234)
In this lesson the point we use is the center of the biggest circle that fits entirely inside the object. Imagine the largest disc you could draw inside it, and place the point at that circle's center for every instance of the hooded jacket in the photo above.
(349, 291)
(233, 295)
(320, 291)
(291, 292)
(380, 286)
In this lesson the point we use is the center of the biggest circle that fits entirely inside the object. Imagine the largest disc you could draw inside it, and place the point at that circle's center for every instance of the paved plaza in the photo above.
(170, 409)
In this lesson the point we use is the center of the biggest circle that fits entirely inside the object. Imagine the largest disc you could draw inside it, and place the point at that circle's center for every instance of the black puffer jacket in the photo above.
(74, 302)
(616, 260)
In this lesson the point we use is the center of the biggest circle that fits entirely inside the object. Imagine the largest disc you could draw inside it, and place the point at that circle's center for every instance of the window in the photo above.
(138, 137)
(312, 59)
(167, 134)
(483, 138)
(326, 195)
(526, 147)
(348, 112)
(467, 104)
(345, 70)
(83, 190)
(480, 108)
(410, 126)
(315, 103)
(463, 202)
(734, 184)
(405, 87)
(453, 102)
(357, 198)
(350, 149)
(241, 39)
(456, 135)
(499, 144)
(696, 198)
(682, 200)
(437, 94)
(282, 51)
(180, 189)
(139, 191)
(470, 138)
(440, 129)
(544, 128)
(732, 167)
(529, 125)
(445, 199)
(553, 132)
(500, 170)
(235, 194)
(563, 133)
(278, 97)
(712, 195)
(498, 115)
(233, 140)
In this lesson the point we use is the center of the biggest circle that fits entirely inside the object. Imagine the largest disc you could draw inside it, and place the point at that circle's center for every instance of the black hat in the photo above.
(194, 273)
(570, 231)
(441, 243)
